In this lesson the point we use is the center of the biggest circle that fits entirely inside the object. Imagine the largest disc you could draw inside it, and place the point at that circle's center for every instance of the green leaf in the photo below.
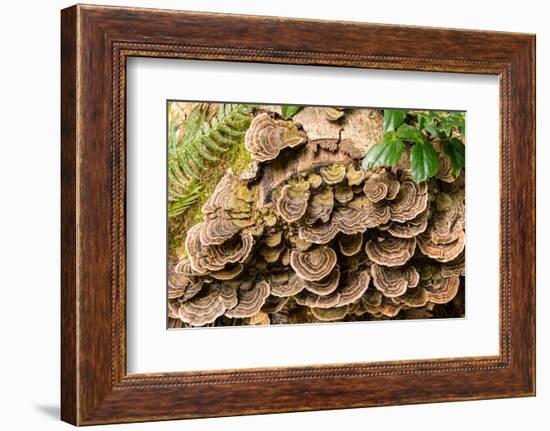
(424, 161)
(387, 153)
(393, 118)
(456, 151)
(288, 111)
(410, 133)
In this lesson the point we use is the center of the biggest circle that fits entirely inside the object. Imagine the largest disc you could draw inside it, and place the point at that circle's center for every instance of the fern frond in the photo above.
(192, 148)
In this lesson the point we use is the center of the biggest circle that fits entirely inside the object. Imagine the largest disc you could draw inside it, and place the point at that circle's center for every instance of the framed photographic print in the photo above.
(256, 224)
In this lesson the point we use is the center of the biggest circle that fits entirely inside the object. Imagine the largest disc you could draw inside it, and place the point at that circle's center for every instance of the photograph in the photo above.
(300, 214)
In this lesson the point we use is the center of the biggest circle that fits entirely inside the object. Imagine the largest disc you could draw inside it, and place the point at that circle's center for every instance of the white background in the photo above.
(151, 348)
(29, 228)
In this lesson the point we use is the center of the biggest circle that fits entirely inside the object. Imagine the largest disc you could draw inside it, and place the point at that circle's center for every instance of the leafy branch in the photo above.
(197, 143)
(449, 127)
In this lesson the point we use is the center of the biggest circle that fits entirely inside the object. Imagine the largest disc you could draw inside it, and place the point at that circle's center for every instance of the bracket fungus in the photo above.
(313, 265)
(297, 234)
(266, 137)
(388, 250)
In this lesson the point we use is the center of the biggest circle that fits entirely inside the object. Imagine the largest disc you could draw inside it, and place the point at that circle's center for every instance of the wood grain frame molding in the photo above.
(96, 41)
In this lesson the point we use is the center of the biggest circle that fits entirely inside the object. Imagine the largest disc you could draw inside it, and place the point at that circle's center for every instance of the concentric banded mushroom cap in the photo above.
(353, 288)
(394, 282)
(313, 265)
(289, 287)
(217, 230)
(441, 252)
(320, 207)
(411, 228)
(355, 176)
(274, 304)
(221, 195)
(228, 273)
(343, 193)
(381, 185)
(266, 137)
(334, 173)
(390, 251)
(446, 291)
(206, 308)
(326, 285)
(250, 301)
(414, 297)
(411, 200)
(215, 257)
(292, 201)
(454, 267)
(318, 233)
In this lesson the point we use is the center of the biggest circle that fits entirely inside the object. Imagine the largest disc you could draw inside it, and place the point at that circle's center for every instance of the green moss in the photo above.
(237, 158)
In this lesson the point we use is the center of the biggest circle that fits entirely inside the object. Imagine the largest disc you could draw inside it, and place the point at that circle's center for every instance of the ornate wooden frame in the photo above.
(95, 43)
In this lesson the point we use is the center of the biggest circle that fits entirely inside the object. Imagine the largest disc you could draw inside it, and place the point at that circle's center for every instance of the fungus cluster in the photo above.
(304, 234)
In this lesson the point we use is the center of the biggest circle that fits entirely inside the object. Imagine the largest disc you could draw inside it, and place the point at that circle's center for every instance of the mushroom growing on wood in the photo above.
(266, 137)
(394, 282)
(326, 285)
(208, 306)
(313, 265)
(410, 201)
(291, 202)
(250, 301)
(388, 250)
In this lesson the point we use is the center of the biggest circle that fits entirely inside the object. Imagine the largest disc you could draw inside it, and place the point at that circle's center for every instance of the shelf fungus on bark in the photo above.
(298, 235)
(381, 184)
(394, 282)
(410, 201)
(388, 250)
(326, 285)
(208, 306)
(292, 201)
(250, 301)
(266, 137)
(313, 265)
(350, 290)
(444, 237)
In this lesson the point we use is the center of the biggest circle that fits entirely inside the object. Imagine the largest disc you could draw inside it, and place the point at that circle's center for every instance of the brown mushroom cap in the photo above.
(414, 297)
(343, 193)
(208, 306)
(411, 200)
(454, 267)
(272, 254)
(334, 173)
(350, 244)
(380, 185)
(394, 282)
(330, 314)
(250, 301)
(320, 207)
(411, 228)
(445, 291)
(285, 287)
(313, 265)
(292, 200)
(318, 233)
(217, 230)
(326, 285)
(390, 251)
(387, 308)
(221, 195)
(441, 252)
(228, 273)
(215, 257)
(266, 137)
(355, 175)
(334, 114)
(353, 288)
